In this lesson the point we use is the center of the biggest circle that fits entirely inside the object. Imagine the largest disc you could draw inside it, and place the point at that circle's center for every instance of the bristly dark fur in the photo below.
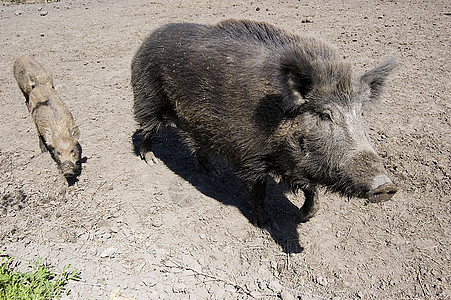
(268, 101)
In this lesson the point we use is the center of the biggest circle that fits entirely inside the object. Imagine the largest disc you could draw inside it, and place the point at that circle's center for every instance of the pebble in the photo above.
(109, 252)
(275, 286)
(114, 229)
(202, 293)
(321, 281)
(285, 295)
(170, 264)
(192, 263)
(262, 285)
(217, 292)
(159, 287)
(179, 288)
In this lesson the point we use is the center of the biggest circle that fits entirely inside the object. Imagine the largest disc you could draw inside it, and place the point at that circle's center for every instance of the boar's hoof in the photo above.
(149, 158)
(382, 193)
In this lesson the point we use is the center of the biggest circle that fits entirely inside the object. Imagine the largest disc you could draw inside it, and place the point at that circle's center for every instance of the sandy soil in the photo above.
(169, 232)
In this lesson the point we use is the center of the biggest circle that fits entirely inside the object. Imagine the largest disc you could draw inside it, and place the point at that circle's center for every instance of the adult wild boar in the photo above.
(268, 101)
(56, 128)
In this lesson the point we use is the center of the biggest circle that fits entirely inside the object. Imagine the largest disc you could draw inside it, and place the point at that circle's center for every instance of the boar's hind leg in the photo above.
(153, 116)
(145, 151)
(310, 206)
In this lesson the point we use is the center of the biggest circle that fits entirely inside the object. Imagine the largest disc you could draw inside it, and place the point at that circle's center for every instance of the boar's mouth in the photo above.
(382, 193)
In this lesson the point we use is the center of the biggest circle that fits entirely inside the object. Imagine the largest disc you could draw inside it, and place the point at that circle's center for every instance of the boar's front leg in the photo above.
(257, 193)
(310, 206)
(206, 166)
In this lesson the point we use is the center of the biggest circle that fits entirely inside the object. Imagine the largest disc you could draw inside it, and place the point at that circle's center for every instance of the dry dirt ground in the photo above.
(170, 232)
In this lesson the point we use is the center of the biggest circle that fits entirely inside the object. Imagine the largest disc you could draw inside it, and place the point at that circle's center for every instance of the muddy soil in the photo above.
(168, 231)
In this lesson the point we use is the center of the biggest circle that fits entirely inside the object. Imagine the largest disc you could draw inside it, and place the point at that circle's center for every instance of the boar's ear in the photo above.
(376, 77)
(75, 132)
(297, 80)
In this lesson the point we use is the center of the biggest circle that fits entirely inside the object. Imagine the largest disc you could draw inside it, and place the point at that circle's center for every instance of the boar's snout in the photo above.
(382, 189)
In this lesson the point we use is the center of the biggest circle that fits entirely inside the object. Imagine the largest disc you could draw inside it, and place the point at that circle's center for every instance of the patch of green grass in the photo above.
(40, 283)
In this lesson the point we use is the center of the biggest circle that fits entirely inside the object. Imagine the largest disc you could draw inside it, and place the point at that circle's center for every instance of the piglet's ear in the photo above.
(298, 77)
(48, 136)
(377, 77)
(31, 83)
(75, 132)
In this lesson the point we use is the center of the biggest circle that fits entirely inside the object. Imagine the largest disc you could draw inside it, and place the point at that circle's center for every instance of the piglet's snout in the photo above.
(382, 189)
(67, 168)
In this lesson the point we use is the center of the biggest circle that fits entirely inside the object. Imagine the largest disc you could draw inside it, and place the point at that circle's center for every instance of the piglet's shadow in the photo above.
(226, 188)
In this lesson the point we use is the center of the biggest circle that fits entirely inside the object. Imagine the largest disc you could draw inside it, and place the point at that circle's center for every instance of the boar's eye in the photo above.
(325, 116)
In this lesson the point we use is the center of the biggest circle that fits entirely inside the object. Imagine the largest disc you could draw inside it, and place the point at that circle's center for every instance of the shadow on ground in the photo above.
(226, 188)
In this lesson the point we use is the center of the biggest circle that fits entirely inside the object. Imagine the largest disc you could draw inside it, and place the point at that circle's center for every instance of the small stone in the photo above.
(157, 223)
(170, 264)
(275, 286)
(179, 288)
(18, 13)
(321, 281)
(192, 263)
(159, 287)
(255, 294)
(261, 285)
(285, 295)
(202, 293)
(217, 292)
(44, 13)
(109, 252)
